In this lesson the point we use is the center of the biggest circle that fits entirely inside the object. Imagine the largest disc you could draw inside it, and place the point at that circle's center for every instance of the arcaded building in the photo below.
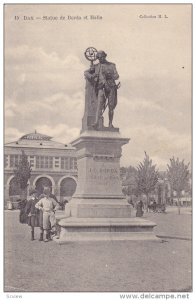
(53, 164)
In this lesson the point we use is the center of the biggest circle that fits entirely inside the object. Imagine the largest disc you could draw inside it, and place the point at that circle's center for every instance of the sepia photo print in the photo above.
(98, 149)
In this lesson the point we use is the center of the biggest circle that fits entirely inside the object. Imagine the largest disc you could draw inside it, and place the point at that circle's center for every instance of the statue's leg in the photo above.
(110, 109)
(100, 101)
(111, 114)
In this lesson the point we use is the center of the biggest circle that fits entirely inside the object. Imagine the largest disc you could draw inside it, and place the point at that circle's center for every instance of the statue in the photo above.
(101, 84)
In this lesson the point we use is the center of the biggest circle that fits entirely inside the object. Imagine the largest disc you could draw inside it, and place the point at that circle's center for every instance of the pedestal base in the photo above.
(99, 208)
(101, 229)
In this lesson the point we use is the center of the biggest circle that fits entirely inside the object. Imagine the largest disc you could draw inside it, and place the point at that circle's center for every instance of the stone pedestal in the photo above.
(98, 209)
(99, 191)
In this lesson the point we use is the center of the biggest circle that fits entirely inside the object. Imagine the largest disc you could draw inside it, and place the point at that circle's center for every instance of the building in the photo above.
(53, 164)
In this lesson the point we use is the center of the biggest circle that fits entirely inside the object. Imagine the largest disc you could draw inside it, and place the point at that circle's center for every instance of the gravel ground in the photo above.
(115, 266)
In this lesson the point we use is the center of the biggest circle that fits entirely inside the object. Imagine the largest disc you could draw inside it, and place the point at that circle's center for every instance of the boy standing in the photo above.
(48, 205)
(34, 215)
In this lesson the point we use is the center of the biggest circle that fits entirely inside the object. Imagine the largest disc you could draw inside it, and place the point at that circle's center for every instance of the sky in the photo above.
(45, 62)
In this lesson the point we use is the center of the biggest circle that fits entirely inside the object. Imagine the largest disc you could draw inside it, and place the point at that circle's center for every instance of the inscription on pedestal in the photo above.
(99, 165)
(107, 158)
(104, 176)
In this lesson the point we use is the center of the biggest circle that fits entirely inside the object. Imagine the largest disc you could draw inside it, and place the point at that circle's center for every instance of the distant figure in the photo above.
(154, 206)
(48, 205)
(139, 209)
(151, 202)
(35, 216)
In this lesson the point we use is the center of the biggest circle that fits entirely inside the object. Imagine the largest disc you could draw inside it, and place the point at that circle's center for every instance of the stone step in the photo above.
(138, 222)
(106, 236)
(87, 229)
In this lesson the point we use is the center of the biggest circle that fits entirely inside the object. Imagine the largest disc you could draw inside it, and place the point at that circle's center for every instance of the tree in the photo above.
(123, 173)
(178, 176)
(146, 177)
(128, 180)
(22, 173)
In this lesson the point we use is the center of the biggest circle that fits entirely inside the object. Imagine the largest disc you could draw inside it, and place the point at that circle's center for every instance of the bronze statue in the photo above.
(102, 78)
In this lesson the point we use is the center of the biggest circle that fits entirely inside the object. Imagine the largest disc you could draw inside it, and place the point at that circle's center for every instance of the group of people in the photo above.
(39, 211)
(140, 206)
(153, 205)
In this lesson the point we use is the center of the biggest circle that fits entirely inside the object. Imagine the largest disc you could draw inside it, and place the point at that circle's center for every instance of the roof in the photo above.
(38, 140)
(36, 136)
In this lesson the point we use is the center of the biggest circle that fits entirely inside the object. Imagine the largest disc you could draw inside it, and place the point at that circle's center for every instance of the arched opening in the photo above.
(14, 192)
(67, 187)
(41, 182)
(14, 188)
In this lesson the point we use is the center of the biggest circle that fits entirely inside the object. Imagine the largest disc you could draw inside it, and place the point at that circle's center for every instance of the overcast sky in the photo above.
(44, 66)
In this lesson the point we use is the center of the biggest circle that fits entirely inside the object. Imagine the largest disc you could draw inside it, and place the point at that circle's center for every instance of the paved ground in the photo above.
(171, 223)
(100, 266)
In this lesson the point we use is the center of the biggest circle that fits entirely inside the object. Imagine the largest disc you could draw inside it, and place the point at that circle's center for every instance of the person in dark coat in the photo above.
(22, 215)
(35, 216)
(139, 209)
(154, 206)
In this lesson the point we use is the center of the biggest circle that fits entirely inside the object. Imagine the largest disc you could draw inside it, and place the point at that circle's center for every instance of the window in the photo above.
(37, 162)
(50, 162)
(44, 162)
(41, 162)
(5, 161)
(31, 161)
(65, 163)
(73, 163)
(56, 162)
(14, 160)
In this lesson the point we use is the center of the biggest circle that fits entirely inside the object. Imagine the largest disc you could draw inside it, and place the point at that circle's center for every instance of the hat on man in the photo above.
(101, 53)
(33, 192)
(46, 190)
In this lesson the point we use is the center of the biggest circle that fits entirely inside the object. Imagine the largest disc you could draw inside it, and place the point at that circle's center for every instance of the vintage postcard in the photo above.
(98, 149)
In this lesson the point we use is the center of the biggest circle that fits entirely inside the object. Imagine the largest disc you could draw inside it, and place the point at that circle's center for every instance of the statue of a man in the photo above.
(103, 76)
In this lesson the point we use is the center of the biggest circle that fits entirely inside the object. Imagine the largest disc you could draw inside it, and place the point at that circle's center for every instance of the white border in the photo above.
(85, 296)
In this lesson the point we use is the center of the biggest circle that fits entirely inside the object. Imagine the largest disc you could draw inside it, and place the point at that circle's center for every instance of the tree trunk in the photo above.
(179, 206)
(147, 202)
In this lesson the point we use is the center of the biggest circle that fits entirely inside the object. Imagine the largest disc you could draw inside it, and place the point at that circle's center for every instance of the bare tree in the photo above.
(178, 177)
(22, 173)
(146, 177)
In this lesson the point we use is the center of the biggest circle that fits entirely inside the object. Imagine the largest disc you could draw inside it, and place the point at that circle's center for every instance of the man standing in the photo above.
(104, 75)
(48, 205)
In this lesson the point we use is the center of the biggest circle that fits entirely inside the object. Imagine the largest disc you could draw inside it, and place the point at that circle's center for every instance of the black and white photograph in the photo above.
(98, 150)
